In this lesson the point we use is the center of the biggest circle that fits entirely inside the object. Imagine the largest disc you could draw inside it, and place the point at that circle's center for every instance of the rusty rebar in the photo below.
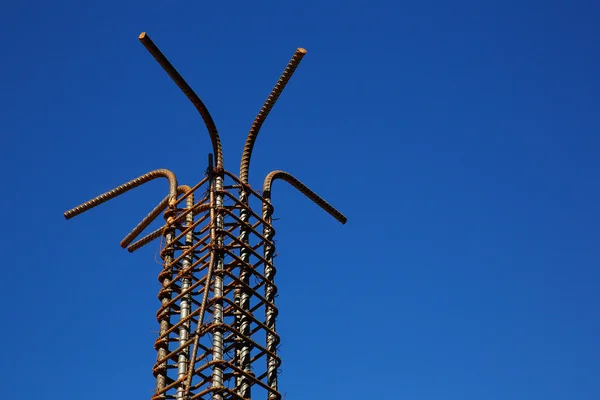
(242, 299)
(199, 326)
(217, 222)
(198, 208)
(138, 244)
(185, 304)
(265, 110)
(213, 347)
(189, 92)
(284, 176)
(104, 197)
(160, 369)
(272, 340)
(151, 217)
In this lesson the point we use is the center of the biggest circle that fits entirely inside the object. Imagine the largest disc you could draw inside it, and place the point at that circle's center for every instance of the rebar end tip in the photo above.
(301, 50)
(142, 36)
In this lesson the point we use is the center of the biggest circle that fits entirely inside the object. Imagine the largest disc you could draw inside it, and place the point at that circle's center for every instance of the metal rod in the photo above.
(209, 275)
(189, 92)
(217, 375)
(272, 340)
(242, 299)
(199, 326)
(104, 197)
(284, 176)
(265, 110)
(146, 239)
(198, 208)
(151, 217)
(184, 306)
(164, 295)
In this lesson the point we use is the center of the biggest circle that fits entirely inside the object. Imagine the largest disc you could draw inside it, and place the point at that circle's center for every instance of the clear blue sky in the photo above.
(460, 139)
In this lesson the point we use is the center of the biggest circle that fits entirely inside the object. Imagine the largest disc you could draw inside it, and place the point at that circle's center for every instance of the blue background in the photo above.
(460, 139)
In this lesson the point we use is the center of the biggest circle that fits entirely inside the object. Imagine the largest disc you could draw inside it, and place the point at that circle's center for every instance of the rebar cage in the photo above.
(217, 319)
(217, 337)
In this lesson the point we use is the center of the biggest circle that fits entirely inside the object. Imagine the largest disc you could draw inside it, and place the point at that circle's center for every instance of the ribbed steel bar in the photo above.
(270, 291)
(146, 239)
(151, 217)
(199, 326)
(198, 208)
(162, 343)
(242, 298)
(270, 271)
(185, 304)
(209, 277)
(104, 197)
(217, 375)
(265, 110)
(190, 94)
(284, 176)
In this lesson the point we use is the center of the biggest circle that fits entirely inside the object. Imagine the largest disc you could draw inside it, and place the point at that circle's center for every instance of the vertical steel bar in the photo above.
(184, 329)
(270, 292)
(243, 299)
(201, 313)
(209, 275)
(162, 344)
(218, 224)
(269, 250)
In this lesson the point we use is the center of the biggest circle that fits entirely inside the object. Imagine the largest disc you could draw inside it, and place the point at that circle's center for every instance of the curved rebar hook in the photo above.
(190, 94)
(104, 197)
(265, 110)
(151, 216)
(304, 190)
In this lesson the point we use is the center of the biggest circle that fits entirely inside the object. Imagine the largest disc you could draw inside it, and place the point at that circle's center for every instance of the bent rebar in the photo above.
(104, 197)
(190, 94)
(265, 110)
(183, 189)
(198, 208)
(303, 189)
